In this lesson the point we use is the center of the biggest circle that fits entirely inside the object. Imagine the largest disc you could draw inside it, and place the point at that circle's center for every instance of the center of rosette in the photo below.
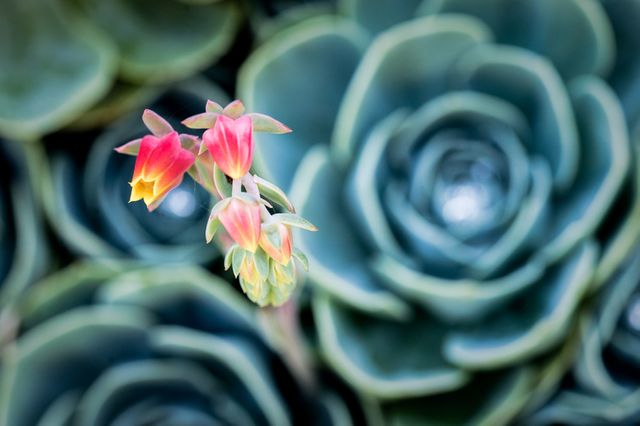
(468, 191)
(461, 183)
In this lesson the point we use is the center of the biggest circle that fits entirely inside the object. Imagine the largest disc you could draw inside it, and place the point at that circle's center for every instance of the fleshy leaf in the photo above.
(326, 49)
(273, 193)
(228, 258)
(234, 110)
(522, 331)
(262, 263)
(53, 67)
(220, 181)
(384, 15)
(604, 163)
(205, 120)
(381, 85)
(298, 254)
(295, 221)
(337, 259)
(201, 173)
(161, 42)
(213, 107)
(487, 400)
(587, 38)
(357, 345)
(236, 260)
(156, 124)
(129, 148)
(214, 222)
(264, 123)
(190, 142)
(212, 226)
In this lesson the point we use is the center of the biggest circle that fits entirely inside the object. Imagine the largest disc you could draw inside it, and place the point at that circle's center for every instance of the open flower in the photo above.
(276, 240)
(230, 142)
(159, 168)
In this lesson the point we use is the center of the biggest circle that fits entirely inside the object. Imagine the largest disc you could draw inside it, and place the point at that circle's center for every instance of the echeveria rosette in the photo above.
(475, 149)
(59, 59)
(109, 343)
(23, 246)
(604, 385)
(87, 195)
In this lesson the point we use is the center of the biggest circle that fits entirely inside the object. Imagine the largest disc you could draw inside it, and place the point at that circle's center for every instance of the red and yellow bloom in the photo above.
(230, 142)
(160, 167)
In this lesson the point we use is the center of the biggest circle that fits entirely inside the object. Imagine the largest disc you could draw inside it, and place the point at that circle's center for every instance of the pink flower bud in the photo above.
(160, 167)
(230, 142)
(276, 241)
(241, 219)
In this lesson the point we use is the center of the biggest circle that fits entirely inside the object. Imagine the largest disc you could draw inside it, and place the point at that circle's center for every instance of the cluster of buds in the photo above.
(256, 215)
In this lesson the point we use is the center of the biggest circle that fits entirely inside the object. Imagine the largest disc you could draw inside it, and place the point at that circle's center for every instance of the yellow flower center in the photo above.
(142, 189)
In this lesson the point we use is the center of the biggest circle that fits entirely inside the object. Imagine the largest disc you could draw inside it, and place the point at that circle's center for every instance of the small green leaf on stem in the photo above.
(156, 124)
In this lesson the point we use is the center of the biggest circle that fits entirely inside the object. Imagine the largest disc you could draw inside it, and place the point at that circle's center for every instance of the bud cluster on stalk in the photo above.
(256, 214)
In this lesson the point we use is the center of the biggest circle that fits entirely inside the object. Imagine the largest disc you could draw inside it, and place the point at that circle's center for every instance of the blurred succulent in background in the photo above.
(461, 158)
(87, 194)
(106, 343)
(604, 387)
(59, 58)
(23, 252)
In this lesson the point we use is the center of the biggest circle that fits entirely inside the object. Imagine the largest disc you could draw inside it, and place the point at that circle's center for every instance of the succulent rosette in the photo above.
(460, 158)
(604, 384)
(60, 59)
(22, 247)
(87, 196)
(107, 343)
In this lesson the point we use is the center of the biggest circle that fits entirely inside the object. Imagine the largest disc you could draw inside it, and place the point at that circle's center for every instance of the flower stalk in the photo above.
(254, 213)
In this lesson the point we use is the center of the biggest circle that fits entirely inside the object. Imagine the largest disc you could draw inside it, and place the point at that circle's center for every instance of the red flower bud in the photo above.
(230, 142)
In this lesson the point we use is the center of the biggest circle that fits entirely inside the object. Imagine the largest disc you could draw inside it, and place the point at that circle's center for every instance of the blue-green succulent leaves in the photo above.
(461, 158)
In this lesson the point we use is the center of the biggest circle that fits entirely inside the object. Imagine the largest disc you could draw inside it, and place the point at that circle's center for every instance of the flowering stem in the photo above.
(283, 327)
(252, 188)
(250, 185)
(236, 187)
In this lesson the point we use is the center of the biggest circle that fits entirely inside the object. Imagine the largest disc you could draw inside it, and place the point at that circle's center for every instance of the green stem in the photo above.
(251, 187)
(236, 187)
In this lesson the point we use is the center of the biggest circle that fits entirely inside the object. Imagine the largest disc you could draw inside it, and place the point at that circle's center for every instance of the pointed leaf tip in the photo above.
(273, 193)
(298, 254)
(204, 120)
(295, 221)
(234, 110)
(156, 124)
(264, 123)
(213, 107)
(129, 148)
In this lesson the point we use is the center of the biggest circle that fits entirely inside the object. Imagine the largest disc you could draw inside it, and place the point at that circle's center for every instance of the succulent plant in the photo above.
(23, 251)
(87, 194)
(59, 58)
(460, 158)
(112, 343)
(604, 384)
